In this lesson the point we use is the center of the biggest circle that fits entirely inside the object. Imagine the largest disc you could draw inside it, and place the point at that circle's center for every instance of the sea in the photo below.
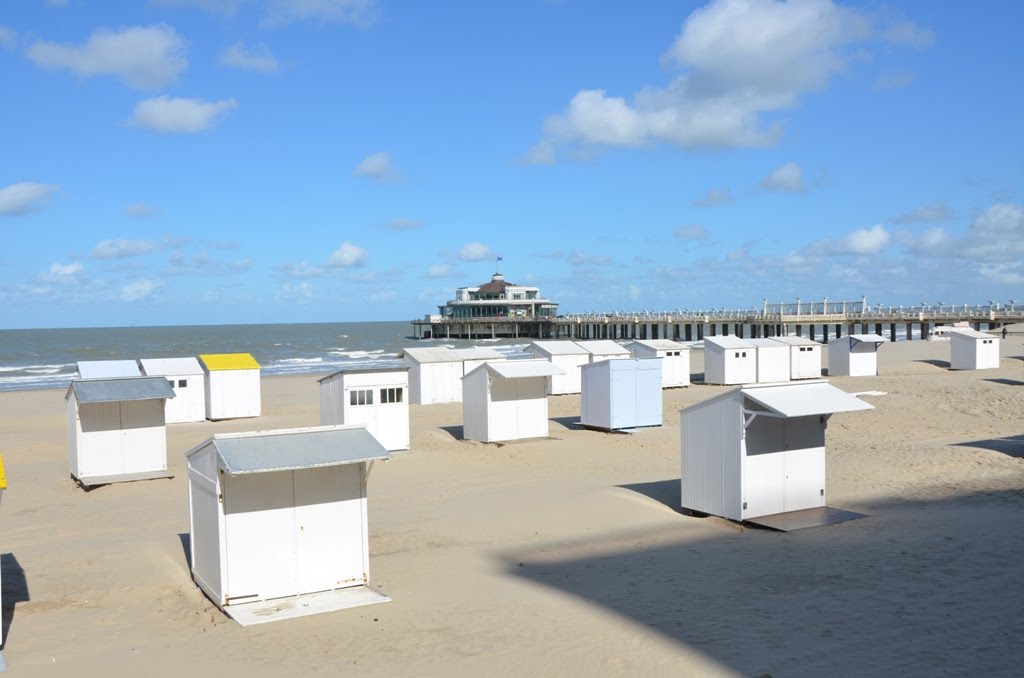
(47, 358)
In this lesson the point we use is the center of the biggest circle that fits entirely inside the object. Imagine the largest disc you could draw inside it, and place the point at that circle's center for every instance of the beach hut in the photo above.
(729, 360)
(116, 429)
(973, 350)
(603, 349)
(107, 369)
(759, 450)
(474, 357)
(232, 385)
(855, 355)
(804, 357)
(675, 359)
(772, 360)
(278, 521)
(375, 397)
(567, 356)
(189, 383)
(621, 394)
(435, 375)
(507, 400)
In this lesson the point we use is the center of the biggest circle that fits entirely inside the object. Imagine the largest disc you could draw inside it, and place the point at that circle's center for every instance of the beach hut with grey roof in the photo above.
(435, 375)
(568, 356)
(506, 400)
(278, 521)
(729, 360)
(188, 382)
(232, 385)
(604, 349)
(376, 397)
(675, 359)
(855, 355)
(116, 429)
(972, 350)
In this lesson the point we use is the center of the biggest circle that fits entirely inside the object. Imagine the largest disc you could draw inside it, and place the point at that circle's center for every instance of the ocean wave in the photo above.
(39, 369)
(297, 361)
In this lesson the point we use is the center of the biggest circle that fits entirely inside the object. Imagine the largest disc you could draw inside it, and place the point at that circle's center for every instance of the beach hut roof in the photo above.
(797, 399)
(766, 342)
(363, 370)
(115, 390)
(165, 366)
(560, 347)
(477, 354)
(518, 369)
(660, 344)
(291, 449)
(432, 354)
(108, 369)
(728, 341)
(602, 347)
(968, 332)
(216, 362)
(855, 339)
(796, 341)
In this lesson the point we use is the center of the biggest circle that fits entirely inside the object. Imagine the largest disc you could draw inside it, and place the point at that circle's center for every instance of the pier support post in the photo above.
(910, 331)
(892, 332)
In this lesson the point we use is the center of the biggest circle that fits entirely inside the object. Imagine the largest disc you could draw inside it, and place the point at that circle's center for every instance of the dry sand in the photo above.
(563, 556)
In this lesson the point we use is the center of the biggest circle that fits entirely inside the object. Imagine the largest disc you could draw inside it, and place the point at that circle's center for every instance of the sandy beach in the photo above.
(560, 556)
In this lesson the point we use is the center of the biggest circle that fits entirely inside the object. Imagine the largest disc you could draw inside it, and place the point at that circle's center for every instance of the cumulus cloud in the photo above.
(23, 197)
(714, 196)
(283, 12)
(377, 166)
(788, 177)
(475, 251)
(862, 241)
(122, 248)
(140, 209)
(404, 224)
(169, 115)
(739, 60)
(256, 58)
(348, 256)
(145, 57)
(935, 212)
(692, 232)
(7, 38)
(140, 290)
(994, 236)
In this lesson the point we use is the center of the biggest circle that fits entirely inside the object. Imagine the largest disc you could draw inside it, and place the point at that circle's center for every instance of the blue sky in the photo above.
(235, 161)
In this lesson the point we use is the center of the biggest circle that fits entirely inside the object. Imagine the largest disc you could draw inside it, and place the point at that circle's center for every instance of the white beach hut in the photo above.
(621, 394)
(759, 450)
(375, 397)
(107, 369)
(567, 356)
(474, 357)
(675, 359)
(772, 361)
(855, 355)
(804, 357)
(232, 385)
(973, 350)
(507, 400)
(435, 375)
(604, 349)
(729, 360)
(278, 521)
(116, 430)
(189, 383)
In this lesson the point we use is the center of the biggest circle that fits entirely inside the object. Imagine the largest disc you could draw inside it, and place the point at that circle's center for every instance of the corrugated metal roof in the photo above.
(602, 347)
(559, 347)
(796, 341)
(108, 369)
(477, 353)
(727, 341)
(116, 390)
(166, 366)
(216, 362)
(431, 354)
(292, 449)
(518, 369)
(804, 400)
(972, 333)
(362, 370)
(662, 344)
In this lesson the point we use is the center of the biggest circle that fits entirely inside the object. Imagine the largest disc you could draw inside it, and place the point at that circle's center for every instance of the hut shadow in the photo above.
(570, 423)
(15, 590)
(697, 378)
(1006, 382)
(810, 602)
(186, 547)
(455, 432)
(666, 492)
(1011, 446)
(937, 363)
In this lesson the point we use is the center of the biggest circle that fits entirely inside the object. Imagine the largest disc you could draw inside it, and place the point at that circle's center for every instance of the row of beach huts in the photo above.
(283, 513)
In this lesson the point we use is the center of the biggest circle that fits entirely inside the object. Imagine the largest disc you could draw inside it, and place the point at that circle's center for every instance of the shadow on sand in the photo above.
(455, 432)
(1011, 446)
(15, 590)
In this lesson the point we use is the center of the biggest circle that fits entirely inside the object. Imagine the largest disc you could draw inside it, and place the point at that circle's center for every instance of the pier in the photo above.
(819, 321)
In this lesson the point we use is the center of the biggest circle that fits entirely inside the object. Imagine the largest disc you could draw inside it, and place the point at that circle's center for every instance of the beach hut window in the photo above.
(182, 383)
(361, 397)
(390, 395)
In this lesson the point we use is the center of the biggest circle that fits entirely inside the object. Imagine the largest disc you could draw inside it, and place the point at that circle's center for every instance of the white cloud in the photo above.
(1000, 220)
(348, 256)
(7, 38)
(144, 57)
(23, 197)
(377, 166)
(404, 224)
(295, 291)
(863, 241)
(788, 177)
(63, 274)
(714, 196)
(283, 12)
(121, 248)
(693, 232)
(740, 60)
(995, 236)
(935, 212)
(140, 290)
(171, 116)
(441, 271)
(140, 209)
(475, 251)
(255, 59)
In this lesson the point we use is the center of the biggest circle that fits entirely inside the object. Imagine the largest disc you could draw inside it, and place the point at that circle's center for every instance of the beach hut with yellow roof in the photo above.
(232, 385)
